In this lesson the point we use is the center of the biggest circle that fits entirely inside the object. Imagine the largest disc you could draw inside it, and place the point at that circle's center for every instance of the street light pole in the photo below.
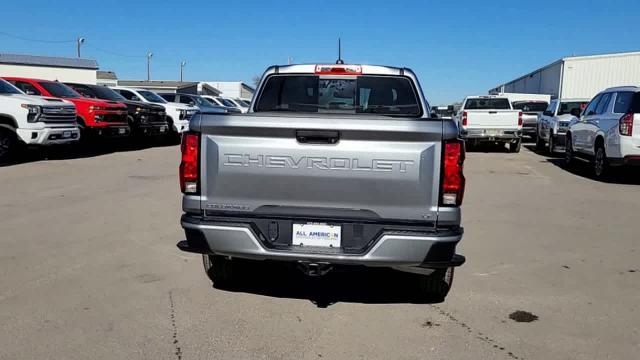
(149, 56)
(80, 40)
(182, 65)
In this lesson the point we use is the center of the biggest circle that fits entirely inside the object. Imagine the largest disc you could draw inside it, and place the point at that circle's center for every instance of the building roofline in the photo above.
(48, 61)
(569, 58)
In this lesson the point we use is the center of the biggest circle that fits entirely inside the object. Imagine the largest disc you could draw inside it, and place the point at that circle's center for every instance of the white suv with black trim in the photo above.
(608, 131)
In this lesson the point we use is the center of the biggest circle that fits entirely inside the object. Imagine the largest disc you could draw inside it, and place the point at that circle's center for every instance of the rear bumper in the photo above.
(389, 249)
(491, 134)
(632, 160)
(529, 128)
(49, 136)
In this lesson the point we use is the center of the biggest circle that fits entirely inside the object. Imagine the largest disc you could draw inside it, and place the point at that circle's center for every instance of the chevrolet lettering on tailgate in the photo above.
(321, 163)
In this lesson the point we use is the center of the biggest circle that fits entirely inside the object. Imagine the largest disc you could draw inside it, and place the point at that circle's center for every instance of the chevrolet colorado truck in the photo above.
(144, 119)
(490, 118)
(33, 120)
(95, 117)
(332, 165)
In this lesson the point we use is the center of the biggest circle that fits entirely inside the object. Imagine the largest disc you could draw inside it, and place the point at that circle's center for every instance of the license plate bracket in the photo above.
(316, 235)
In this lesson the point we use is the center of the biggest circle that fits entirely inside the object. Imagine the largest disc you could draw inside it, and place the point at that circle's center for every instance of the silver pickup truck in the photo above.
(333, 165)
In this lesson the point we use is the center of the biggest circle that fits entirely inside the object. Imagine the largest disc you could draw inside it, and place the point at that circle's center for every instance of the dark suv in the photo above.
(143, 118)
(194, 100)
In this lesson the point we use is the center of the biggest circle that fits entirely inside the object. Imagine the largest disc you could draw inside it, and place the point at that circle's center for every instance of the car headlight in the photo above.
(34, 112)
(183, 113)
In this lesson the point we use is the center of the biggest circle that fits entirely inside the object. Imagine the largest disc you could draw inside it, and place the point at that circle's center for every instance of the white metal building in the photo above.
(49, 68)
(578, 77)
(233, 89)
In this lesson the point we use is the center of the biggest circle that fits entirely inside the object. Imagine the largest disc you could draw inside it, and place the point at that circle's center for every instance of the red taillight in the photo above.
(520, 118)
(453, 180)
(626, 125)
(338, 69)
(464, 118)
(189, 167)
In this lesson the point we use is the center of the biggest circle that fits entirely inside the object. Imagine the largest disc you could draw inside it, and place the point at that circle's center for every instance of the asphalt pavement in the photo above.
(89, 270)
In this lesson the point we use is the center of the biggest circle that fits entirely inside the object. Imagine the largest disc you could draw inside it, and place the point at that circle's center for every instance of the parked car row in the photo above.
(604, 131)
(44, 112)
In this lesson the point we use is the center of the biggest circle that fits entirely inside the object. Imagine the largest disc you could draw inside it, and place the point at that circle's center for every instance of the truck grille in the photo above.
(58, 114)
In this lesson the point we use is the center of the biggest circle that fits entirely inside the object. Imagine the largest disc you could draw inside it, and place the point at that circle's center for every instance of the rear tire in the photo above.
(552, 144)
(600, 164)
(219, 269)
(568, 153)
(8, 142)
(515, 147)
(539, 143)
(436, 286)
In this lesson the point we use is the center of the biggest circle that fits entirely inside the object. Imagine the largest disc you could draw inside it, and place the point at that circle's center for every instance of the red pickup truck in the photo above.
(95, 117)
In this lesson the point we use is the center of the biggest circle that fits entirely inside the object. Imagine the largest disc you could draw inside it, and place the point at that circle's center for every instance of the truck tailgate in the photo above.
(378, 168)
(492, 119)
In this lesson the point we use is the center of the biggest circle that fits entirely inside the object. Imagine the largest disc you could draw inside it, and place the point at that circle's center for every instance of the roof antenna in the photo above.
(339, 61)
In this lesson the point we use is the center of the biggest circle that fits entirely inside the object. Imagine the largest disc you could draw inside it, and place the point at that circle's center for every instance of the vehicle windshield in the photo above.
(59, 90)
(153, 97)
(530, 106)
(103, 92)
(487, 104)
(381, 95)
(7, 88)
(200, 101)
(568, 107)
(211, 101)
(226, 102)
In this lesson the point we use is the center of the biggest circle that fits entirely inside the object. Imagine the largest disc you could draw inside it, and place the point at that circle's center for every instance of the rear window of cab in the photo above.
(364, 94)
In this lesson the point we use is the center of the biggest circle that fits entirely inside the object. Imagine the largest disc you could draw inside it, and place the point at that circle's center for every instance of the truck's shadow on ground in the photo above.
(350, 285)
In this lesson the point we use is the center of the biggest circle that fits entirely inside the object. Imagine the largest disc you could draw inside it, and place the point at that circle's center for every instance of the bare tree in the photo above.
(256, 80)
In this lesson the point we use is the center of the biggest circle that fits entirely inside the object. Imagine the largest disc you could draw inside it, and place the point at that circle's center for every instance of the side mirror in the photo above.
(191, 103)
(434, 114)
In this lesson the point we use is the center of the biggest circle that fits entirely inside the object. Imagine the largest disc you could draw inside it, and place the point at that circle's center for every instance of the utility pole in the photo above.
(80, 40)
(149, 56)
(182, 65)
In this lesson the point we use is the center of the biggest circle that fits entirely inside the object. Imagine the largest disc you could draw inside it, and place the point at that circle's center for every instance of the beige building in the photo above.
(49, 68)
(169, 86)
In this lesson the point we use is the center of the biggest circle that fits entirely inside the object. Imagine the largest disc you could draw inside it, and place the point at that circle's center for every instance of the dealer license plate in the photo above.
(163, 129)
(121, 131)
(66, 134)
(315, 234)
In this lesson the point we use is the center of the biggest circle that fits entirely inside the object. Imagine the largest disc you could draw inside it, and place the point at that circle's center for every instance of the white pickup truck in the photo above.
(492, 119)
(33, 120)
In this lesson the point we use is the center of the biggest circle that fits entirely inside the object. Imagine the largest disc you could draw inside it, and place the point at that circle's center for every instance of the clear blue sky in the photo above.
(456, 47)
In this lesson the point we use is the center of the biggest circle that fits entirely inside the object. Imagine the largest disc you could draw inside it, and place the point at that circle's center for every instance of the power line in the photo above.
(36, 40)
(113, 52)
